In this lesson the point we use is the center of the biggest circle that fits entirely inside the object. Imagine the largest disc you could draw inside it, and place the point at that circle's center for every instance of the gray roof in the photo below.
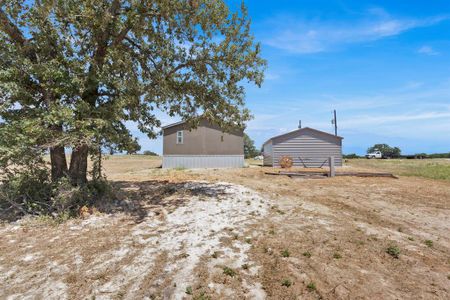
(179, 123)
(300, 130)
(173, 124)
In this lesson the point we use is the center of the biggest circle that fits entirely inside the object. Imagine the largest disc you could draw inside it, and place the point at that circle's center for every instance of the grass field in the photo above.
(438, 168)
(242, 234)
(426, 168)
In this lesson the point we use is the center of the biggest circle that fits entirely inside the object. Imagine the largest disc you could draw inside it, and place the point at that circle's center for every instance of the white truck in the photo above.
(375, 154)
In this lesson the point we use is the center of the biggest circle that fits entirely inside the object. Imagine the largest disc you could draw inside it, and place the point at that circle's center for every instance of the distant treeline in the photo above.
(418, 155)
(434, 155)
(151, 153)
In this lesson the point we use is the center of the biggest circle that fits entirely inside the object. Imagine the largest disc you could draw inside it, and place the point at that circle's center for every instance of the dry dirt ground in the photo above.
(238, 234)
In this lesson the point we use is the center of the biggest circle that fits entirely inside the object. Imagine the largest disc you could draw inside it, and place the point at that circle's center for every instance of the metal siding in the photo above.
(312, 147)
(202, 161)
(268, 154)
(206, 139)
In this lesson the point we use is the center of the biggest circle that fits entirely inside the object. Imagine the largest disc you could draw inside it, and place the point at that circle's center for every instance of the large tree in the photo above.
(73, 72)
(249, 147)
(387, 150)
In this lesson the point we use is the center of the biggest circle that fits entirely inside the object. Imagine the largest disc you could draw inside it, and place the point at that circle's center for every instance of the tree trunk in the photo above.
(78, 165)
(58, 158)
(78, 162)
(99, 173)
(58, 162)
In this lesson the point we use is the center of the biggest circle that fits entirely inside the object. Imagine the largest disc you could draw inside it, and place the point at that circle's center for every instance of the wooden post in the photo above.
(332, 172)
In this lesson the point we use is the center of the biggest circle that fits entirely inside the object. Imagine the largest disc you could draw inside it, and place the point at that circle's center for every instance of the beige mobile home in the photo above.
(307, 147)
(207, 146)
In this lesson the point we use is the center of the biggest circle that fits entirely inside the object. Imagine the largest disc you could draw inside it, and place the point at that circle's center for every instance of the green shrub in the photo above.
(311, 286)
(27, 193)
(188, 290)
(393, 251)
(150, 153)
(33, 193)
(286, 283)
(229, 271)
(351, 156)
(70, 198)
(429, 243)
(285, 253)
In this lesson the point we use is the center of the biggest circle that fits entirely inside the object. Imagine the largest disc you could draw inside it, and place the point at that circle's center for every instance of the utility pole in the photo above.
(334, 121)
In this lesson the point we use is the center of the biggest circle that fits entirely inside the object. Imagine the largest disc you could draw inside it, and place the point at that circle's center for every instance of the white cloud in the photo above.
(412, 85)
(427, 50)
(395, 118)
(271, 76)
(303, 36)
(262, 121)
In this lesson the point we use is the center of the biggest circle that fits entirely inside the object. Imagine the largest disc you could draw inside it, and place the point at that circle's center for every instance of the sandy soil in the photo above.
(239, 234)
(153, 249)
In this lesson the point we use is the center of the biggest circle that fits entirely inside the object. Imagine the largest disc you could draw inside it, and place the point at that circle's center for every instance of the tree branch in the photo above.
(100, 52)
(123, 33)
(143, 51)
(11, 30)
(107, 94)
(91, 92)
(191, 63)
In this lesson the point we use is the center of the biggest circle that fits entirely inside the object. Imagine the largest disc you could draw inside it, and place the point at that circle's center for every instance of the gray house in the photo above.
(306, 146)
(207, 146)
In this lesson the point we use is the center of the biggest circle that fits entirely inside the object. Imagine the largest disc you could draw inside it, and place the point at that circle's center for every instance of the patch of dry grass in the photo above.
(438, 168)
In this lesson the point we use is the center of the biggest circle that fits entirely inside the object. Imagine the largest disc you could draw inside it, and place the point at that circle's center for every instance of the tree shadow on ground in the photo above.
(139, 198)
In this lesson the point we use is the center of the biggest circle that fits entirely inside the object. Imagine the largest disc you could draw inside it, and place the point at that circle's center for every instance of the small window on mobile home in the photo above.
(179, 137)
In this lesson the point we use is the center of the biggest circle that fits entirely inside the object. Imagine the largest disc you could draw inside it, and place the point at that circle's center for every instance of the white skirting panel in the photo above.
(202, 161)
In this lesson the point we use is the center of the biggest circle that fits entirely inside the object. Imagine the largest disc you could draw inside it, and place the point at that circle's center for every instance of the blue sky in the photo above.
(384, 66)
